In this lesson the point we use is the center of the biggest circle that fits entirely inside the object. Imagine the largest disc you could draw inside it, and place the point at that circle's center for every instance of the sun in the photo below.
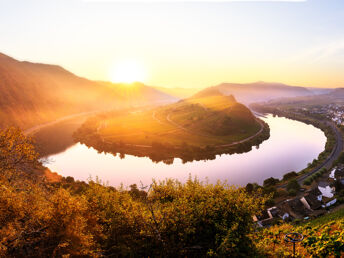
(128, 71)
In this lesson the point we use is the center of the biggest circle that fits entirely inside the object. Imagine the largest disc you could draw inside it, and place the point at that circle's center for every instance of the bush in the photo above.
(292, 192)
(293, 184)
(289, 176)
(323, 170)
(281, 193)
(308, 181)
(270, 181)
(270, 203)
(249, 188)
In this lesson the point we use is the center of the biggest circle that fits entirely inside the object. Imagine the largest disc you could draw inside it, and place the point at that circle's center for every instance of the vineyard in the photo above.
(324, 237)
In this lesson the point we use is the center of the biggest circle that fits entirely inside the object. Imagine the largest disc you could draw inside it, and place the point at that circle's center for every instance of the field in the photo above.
(213, 120)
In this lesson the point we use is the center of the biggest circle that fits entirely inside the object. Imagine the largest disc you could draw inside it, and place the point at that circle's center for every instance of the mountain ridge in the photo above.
(34, 93)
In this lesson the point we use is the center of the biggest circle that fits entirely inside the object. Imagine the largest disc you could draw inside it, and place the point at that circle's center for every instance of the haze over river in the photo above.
(291, 146)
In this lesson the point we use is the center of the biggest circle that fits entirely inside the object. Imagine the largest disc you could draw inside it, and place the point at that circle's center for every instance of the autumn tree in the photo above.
(17, 151)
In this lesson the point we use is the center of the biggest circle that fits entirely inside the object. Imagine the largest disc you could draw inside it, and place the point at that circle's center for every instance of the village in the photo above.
(322, 197)
(333, 112)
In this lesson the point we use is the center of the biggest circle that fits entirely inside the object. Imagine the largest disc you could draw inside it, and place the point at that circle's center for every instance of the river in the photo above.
(291, 146)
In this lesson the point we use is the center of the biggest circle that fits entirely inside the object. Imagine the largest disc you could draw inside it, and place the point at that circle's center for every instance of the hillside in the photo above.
(33, 93)
(196, 120)
(323, 237)
(208, 120)
(261, 91)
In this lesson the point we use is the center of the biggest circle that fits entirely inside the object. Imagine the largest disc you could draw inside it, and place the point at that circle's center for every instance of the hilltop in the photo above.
(33, 93)
(261, 91)
(208, 120)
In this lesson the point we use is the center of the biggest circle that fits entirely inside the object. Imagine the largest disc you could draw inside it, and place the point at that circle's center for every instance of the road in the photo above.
(246, 139)
(338, 148)
(65, 118)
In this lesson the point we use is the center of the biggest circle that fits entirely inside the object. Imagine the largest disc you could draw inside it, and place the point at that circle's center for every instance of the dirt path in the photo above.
(246, 139)
(65, 118)
(168, 118)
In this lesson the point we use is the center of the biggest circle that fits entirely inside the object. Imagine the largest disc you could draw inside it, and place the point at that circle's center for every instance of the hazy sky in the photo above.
(182, 44)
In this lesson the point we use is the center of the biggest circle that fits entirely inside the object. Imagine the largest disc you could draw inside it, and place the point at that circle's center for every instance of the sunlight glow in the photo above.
(128, 71)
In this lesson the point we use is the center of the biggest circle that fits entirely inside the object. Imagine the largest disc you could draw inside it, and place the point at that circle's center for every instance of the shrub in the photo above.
(249, 188)
(293, 184)
(270, 181)
(270, 203)
(289, 175)
(281, 193)
(292, 192)
(308, 181)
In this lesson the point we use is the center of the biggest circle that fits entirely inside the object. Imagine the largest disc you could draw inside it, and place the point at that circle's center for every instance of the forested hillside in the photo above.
(34, 93)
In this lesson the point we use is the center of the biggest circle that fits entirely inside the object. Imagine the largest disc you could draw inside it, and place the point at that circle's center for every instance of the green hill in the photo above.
(208, 120)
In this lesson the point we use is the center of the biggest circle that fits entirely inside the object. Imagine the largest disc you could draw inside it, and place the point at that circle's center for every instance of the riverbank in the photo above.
(158, 152)
(333, 148)
(291, 146)
(296, 184)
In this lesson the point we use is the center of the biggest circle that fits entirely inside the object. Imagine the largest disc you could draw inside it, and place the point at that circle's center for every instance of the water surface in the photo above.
(291, 146)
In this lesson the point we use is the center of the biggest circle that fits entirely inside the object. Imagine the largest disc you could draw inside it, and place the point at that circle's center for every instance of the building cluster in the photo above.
(312, 203)
(334, 112)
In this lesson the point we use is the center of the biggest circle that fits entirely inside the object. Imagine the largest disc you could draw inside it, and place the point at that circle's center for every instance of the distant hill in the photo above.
(181, 93)
(211, 92)
(338, 92)
(261, 91)
(33, 93)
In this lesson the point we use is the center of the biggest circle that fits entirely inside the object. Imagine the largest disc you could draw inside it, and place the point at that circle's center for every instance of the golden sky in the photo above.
(181, 44)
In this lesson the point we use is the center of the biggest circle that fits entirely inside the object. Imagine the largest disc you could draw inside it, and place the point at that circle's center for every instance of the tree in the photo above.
(289, 175)
(17, 152)
(293, 184)
(270, 181)
(205, 219)
(249, 187)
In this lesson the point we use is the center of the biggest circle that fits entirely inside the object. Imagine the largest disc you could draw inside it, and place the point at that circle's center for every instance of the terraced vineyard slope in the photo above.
(208, 121)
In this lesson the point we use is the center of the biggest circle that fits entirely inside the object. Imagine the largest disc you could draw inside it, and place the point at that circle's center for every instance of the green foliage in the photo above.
(289, 176)
(315, 176)
(308, 181)
(171, 220)
(270, 181)
(293, 185)
(281, 193)
(292, 192)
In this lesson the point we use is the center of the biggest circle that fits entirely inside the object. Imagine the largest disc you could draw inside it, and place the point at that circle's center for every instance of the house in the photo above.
(266, 222)
(294, 208)
(311, 202)
(273, 212)
(315, 192)
(339, 172)
(264, 215)
(267, 217)
(329, 203)
(326, 190)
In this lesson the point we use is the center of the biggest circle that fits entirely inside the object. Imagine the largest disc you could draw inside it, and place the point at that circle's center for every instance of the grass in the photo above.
(213, 120)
